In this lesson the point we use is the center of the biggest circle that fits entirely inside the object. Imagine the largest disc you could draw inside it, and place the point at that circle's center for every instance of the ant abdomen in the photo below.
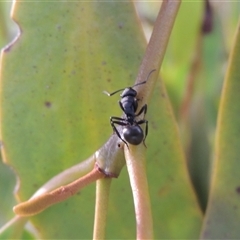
(133, 134)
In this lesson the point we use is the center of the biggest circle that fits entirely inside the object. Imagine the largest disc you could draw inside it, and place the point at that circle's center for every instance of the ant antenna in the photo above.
(110, 94)
(146, 79)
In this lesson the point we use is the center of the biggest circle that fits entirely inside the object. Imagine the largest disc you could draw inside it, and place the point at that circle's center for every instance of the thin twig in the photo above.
(67, 176)
(40, 203)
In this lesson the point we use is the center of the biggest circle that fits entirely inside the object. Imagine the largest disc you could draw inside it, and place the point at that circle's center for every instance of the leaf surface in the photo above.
(223, 216)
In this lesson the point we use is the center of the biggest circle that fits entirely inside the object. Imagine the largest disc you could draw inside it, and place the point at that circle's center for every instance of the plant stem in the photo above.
(156, 48)
(101, 207)
(135, 162)
(67, 176)
(40, 203)
(135, 159)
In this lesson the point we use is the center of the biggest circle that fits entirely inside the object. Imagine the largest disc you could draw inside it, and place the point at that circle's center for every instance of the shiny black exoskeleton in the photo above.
(132, 132)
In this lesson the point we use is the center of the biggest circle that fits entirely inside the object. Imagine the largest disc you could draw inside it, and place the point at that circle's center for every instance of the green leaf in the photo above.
(54, 112)
(222, 218)
(7, 181)
(3, 31)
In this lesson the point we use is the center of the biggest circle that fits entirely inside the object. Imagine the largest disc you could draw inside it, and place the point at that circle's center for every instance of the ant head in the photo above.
(128, 92)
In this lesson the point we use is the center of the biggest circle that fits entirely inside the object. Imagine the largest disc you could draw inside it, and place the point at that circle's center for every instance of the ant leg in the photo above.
(115, 129)
(146, 129)
(146, 133)
(143, 110)
(121, 106)
(119, 121)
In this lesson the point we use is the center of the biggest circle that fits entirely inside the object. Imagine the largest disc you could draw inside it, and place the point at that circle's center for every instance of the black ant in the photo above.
(132, 132)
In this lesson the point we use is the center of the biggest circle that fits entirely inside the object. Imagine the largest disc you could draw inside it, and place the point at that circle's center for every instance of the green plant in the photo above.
(53, 116)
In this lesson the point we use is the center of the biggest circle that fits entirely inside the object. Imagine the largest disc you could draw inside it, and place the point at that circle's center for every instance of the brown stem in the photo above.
(40, 203)
(135, 161)
(191, 80)
(156, 48)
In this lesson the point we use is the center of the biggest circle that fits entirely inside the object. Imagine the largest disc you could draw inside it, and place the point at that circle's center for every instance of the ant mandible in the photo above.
(132, 132)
